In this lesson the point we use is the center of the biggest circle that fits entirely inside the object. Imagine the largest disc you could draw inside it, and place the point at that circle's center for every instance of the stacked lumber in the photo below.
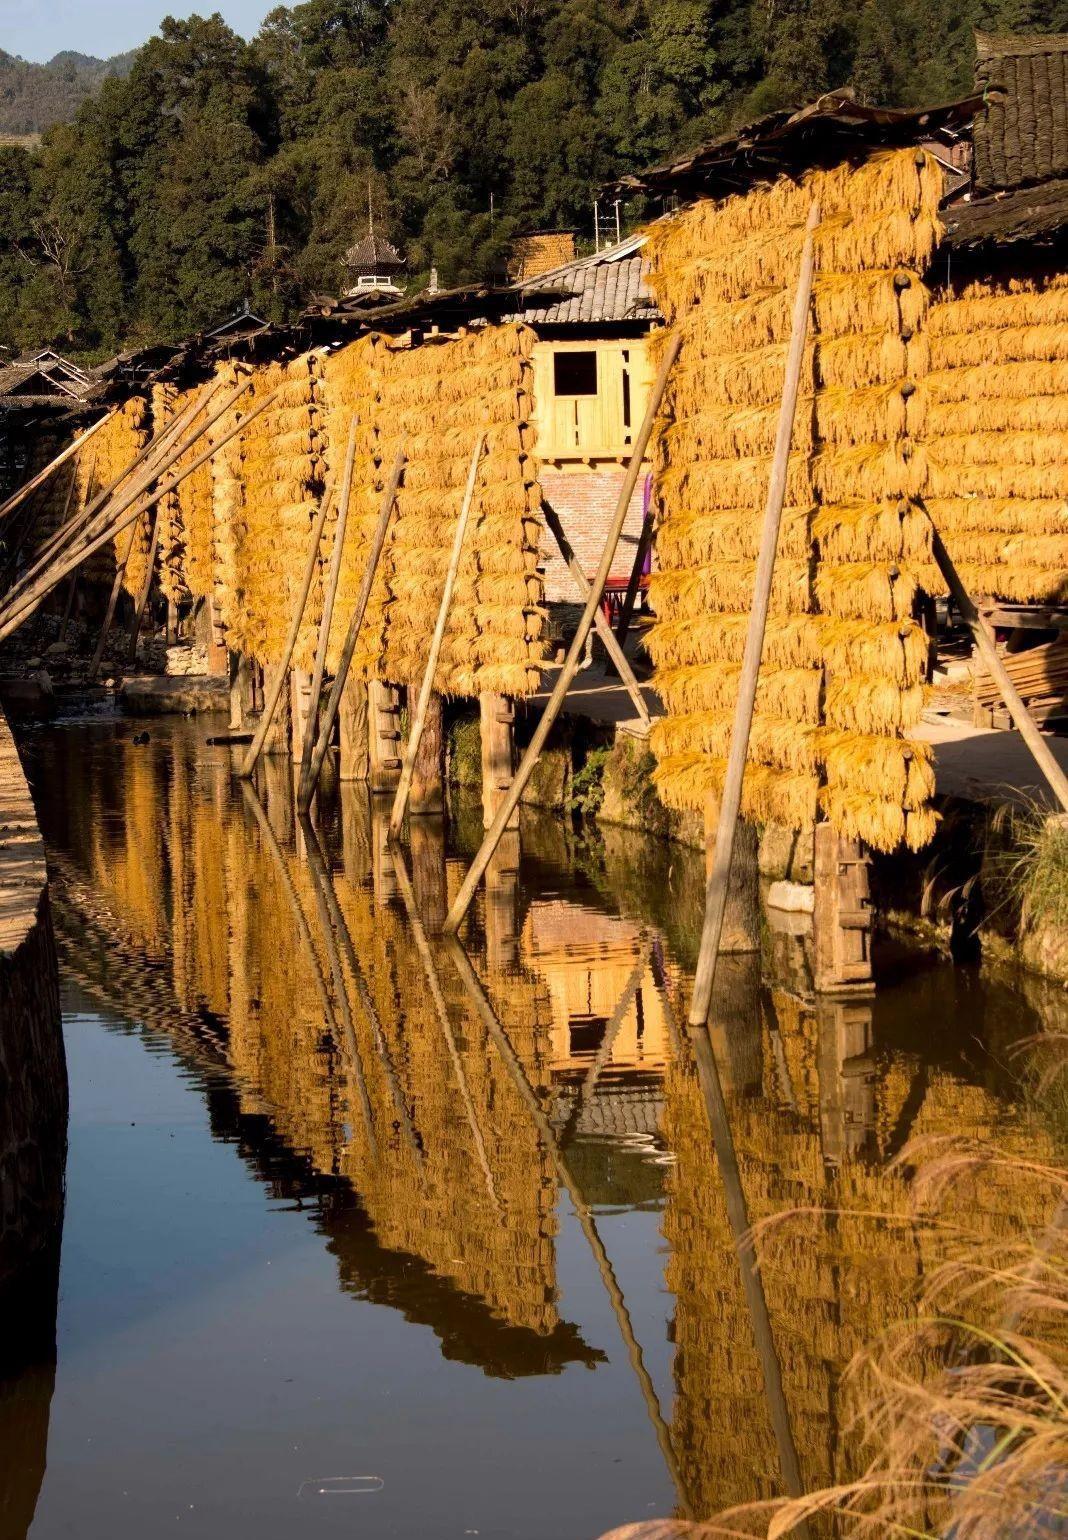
(1041, 676)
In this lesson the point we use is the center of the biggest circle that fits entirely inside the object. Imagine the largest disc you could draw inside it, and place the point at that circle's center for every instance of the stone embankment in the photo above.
(33, 1072)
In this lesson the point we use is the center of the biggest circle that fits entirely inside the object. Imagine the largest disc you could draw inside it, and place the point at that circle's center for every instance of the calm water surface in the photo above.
(355, 1246)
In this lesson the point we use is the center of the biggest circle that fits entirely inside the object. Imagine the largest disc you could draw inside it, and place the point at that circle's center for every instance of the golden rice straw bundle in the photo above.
(228, 517)
(843, 651)
(172, 543)
(118, 443)
(195, 502)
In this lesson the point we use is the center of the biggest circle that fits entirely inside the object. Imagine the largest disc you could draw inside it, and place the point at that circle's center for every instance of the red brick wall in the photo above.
(585, 501)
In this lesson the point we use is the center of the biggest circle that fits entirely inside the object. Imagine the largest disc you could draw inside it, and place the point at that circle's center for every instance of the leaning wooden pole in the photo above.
(571, 664)
(307, 784)
(626, 613)
(11, 617)
(1022, 719)
(113, 600)
(418, 722)
(329, 595)
(731, 797)
(604, 630)
(146, 586)
(281, 674)
(20, 495)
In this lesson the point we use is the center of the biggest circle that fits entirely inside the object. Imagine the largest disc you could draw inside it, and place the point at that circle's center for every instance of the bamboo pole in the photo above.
(571, 663)
(22, 493)
(604, 630)
(1022, 718)
(645, 540)
(480, 1000)
(329, 596)
(307, 785)
(146, 586)
(730, 800)
(415, 730)
(281, 674)
(12, 617)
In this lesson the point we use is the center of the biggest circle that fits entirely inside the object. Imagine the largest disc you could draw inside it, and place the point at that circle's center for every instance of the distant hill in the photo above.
(33, 96)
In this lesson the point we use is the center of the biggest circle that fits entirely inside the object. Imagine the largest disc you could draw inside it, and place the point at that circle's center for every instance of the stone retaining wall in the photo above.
(33, 1071)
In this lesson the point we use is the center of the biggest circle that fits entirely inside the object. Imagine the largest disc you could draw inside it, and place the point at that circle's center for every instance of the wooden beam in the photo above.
(604, 630)
(731, 796)
(571, 663)
(415, 730)
(389, 497)
(278, 681)
(984, 641)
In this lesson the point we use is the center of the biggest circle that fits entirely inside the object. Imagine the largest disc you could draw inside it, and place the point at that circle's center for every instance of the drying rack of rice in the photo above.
(436, 399)
(118, 443)
(170, 557)
(195, 509)
(228, 510)
(845, 659)
(997, 430)
(281, 474)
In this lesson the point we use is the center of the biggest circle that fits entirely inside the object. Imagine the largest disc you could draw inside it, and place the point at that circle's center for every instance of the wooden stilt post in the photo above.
(240, 691)
(383, 711)
(496, 729)
(418, 710)
(574, 656)
(278, 680)
(329, 595)
(146, 586)
(604, 630)
(741, 920)
(842, 917)
(300, 704)
(354, 759)
(326, 728)
(1023, 721)
(630, 598)
(218, 652)
(172, 623)
(427, 792)
(731, 796)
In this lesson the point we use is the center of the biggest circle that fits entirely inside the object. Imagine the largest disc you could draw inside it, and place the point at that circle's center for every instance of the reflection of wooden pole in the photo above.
(574, 656)
(329, 595)
(389, 497)
(418, 722)
(1023, 721)
(502, 893)
(429, 876)
(437, 995)
(512, 1063)
(317, 862)
(731, 796)
(604, 630)
(278, 680)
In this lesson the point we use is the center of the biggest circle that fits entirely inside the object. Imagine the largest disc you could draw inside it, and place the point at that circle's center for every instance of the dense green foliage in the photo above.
(34, 96)
(217, 170)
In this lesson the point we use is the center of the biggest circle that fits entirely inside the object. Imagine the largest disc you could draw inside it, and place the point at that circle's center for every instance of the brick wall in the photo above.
(33, 1072)
(585, 501)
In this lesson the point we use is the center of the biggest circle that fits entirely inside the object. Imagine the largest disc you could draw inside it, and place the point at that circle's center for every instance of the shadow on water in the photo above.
(449, 1117)
(27, 1382)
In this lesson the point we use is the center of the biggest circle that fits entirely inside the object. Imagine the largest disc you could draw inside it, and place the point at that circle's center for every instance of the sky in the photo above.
(37, 29)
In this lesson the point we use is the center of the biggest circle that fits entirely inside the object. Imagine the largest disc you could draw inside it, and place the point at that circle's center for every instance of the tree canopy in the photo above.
(217, 170)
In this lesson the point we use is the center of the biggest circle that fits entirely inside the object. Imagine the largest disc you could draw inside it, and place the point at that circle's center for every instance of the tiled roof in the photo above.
(1022, 135)
(1027, 214)
(610, 286)
(372, 255)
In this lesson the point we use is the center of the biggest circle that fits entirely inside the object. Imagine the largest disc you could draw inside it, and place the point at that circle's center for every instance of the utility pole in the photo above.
(596, 226)
(619, 235)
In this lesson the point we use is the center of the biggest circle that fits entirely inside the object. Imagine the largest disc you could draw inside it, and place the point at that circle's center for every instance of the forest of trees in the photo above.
(34, 96)
(218, 170)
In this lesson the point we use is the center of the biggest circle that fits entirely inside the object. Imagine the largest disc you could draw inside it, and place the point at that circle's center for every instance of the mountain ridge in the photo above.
(34, 96)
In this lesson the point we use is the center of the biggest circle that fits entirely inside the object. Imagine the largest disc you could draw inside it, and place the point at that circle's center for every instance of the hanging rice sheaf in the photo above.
(282, 471)
(195, 507)
(997, 432)
(228, 513)
(171, 562)
(118, 444)
(435, 400)
(845, 659)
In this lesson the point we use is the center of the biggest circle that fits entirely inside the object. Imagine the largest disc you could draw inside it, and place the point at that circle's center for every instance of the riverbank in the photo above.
(33, 1076)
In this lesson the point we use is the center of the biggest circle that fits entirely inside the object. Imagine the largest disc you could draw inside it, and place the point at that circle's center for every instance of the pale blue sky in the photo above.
(37, 29)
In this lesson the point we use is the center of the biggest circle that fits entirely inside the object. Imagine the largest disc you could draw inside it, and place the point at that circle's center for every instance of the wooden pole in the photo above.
(146, 586)
(113, 600)
(73, 589)
(328, 602)
(730, 800)
(604, 630)
(497, 745)
(307, 785)
(279, 675)
(1022, 719)
(12, 617)
(571, 663)
(626, 614)
(415, 730)
(22, 493)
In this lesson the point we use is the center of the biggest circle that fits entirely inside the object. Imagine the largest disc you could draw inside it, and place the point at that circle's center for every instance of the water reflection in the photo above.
(445, 1109)
(27, 1383)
